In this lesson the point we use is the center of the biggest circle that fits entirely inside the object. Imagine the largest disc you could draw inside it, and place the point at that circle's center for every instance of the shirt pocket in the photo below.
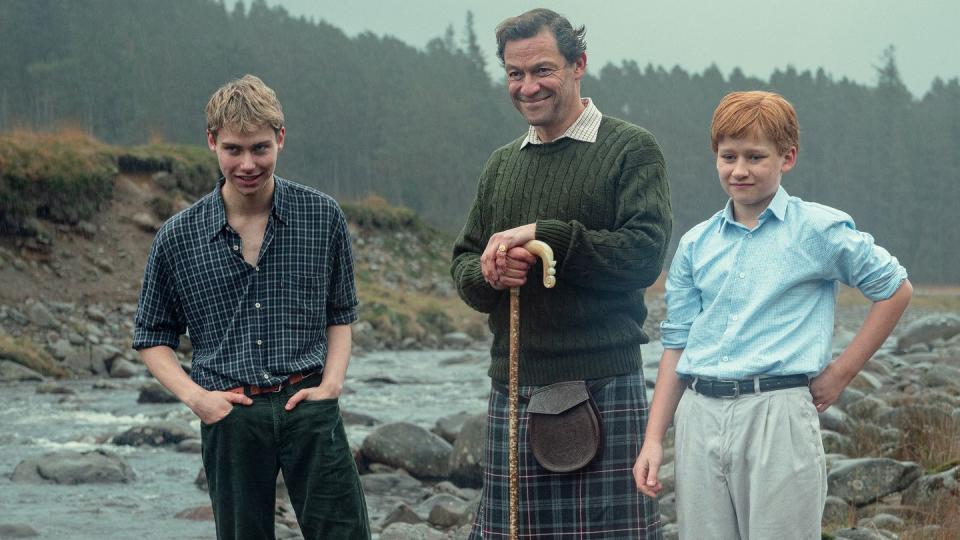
(303, 300)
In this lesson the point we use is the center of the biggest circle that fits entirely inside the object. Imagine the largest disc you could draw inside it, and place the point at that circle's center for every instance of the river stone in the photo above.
(835, 443)
(926, 329)
(867, 408)
(102, 356)
(154, 392)
(156, 434)
(70, 467)
(836, 420)
(905, 417)
(941, 375)
(410, 447)
(54, 388)
(351, 418)
(866, 381)
(457, 340)
(401, 485)
(12, 371)
(406, 531)
(123, 369)
(836, 511)
(190, 446)
(469, 453)
(42, 317)
(402, 513)
(934, 489)
(449, 427)
(861, 481)
(847, 397)
(882, 520)
(197, 513)
(61, 348)
(17, 530)
(857, 533)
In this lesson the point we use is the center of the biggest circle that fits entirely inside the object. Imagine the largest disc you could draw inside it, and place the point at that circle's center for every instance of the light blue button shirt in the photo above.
(744, 302)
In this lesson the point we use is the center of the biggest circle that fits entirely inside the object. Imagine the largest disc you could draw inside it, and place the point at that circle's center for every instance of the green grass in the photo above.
(62, 177)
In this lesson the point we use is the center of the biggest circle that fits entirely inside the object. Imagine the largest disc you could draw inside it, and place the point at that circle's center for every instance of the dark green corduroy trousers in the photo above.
(243, 453)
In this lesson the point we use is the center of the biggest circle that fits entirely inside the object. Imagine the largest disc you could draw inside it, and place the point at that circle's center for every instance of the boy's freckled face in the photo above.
(750, 169)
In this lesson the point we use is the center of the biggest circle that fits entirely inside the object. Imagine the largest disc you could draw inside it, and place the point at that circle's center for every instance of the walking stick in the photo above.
(545, 253)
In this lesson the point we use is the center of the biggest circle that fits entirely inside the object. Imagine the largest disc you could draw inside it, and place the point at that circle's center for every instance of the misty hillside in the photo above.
(373, 115)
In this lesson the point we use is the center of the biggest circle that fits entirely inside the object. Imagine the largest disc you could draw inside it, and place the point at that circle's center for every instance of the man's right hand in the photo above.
(646, 468)
(211, 407)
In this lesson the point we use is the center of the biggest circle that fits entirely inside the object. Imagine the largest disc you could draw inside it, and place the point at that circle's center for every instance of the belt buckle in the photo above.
(736, 388)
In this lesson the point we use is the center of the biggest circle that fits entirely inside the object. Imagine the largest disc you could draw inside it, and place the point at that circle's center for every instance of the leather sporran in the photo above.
(564, 428)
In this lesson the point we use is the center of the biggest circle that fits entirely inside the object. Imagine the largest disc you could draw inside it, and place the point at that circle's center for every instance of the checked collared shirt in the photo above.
(253, 325)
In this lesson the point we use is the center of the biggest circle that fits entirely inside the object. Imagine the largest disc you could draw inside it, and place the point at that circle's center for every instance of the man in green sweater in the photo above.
(594, 189)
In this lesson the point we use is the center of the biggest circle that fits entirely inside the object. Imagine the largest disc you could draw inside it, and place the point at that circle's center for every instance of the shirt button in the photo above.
(726, 358)
(236, 248)
(259, 342)
(266, 376)
(749, 235)
(257, 305)
(734, 317)
(742, 275)
(257, 268)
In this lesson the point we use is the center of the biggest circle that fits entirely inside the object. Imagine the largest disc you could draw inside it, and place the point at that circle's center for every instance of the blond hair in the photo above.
(744, 114)
(245, 104)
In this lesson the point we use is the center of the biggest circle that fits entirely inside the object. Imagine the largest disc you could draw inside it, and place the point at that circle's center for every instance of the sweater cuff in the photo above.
(556, 234)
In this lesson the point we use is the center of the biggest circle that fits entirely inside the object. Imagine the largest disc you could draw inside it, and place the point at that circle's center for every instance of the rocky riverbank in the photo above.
(893, 440)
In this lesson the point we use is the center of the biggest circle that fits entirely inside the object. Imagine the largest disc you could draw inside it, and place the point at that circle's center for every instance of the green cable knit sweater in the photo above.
(604, 208)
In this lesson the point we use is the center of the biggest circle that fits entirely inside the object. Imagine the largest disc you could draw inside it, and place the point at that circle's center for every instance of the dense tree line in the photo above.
(371, 114)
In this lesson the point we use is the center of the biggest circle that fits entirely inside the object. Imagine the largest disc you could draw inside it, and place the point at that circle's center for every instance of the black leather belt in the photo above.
(732, 388)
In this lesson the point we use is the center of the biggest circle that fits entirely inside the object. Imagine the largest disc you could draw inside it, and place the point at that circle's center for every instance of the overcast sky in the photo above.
(845, 37)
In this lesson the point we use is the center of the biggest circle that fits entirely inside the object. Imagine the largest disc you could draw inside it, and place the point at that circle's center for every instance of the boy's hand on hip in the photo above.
(646, 468)
(827, 387)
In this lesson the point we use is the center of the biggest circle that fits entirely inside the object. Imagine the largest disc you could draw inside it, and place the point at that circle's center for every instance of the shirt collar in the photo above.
(217, 219)
(777, 208)
(584, 128)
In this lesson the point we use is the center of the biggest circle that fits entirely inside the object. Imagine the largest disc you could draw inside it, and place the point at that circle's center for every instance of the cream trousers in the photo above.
(750, 468)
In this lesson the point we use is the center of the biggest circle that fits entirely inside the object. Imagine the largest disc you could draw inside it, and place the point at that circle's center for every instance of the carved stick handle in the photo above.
(545, 252)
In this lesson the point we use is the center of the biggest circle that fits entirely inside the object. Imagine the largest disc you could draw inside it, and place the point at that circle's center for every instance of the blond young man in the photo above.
(260, 273)
(747, 341)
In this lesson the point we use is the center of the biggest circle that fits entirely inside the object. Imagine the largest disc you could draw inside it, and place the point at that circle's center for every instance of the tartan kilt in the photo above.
(598, 501)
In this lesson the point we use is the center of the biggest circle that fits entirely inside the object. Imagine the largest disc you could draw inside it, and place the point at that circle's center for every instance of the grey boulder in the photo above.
(70, 467)
(864, 480)
(409, 447)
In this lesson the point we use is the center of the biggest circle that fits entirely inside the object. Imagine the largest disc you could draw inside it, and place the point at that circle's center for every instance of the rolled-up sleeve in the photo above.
(683, 300)
(159, 319)
(342, 300)
(859, 262)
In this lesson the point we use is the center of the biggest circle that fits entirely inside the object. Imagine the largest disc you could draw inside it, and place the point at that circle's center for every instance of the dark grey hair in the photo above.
(570, 40)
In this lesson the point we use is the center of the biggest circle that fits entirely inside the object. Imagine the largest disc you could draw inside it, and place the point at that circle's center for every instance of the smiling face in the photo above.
(247, 160)
(750, 170)
(542, 85)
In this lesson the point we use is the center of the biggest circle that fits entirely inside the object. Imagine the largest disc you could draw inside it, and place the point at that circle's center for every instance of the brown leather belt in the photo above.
(257, 390)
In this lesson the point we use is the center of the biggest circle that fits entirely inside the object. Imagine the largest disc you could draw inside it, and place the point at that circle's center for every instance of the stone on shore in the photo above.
(12, 371)
(927, 329)
(154, 392)
(17, 530)
(156, 434)
(469, 454)
(70, 467)
(935, 489)
(406, 531)
(865, 480)
(409, 447)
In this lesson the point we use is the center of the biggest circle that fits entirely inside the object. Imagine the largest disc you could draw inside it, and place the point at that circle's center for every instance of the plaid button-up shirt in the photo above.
(253, 325)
